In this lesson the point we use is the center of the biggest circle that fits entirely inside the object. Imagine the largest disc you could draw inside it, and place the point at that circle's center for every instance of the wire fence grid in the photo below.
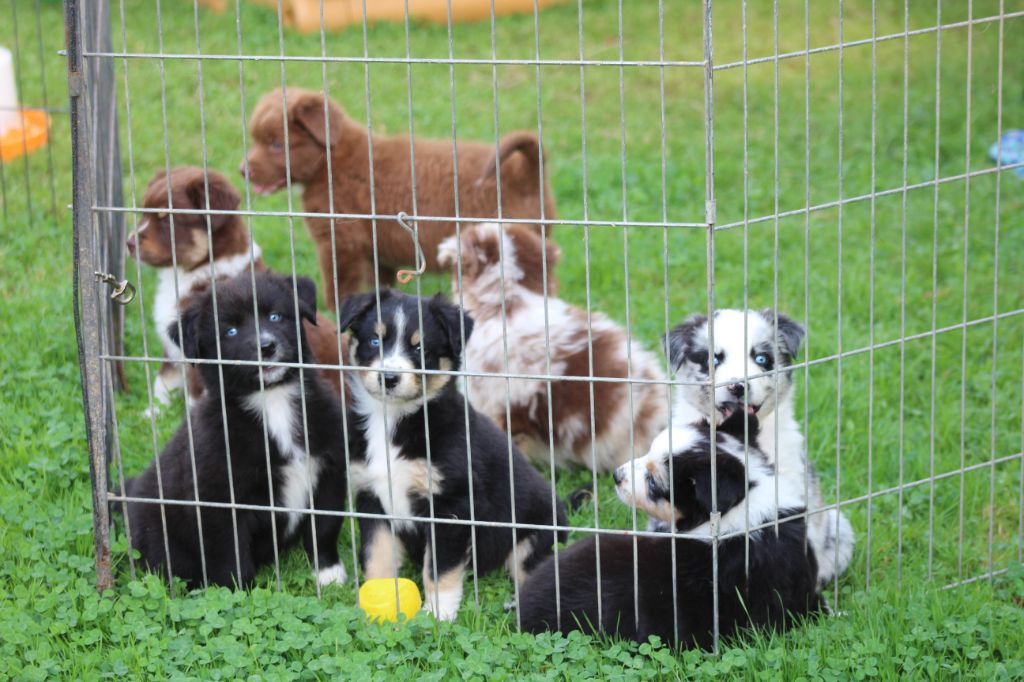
(892, 402)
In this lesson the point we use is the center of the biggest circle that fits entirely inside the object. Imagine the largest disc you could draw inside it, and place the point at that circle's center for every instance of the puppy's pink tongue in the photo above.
(751, 410)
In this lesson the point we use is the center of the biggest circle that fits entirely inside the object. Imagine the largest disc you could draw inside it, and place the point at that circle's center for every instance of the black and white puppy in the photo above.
(674, 596)
(304, 451)
(396, 415)
(753, 348)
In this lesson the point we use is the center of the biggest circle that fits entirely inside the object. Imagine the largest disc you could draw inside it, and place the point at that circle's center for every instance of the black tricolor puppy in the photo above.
(301, 464)
(396, 415)
(780, 582)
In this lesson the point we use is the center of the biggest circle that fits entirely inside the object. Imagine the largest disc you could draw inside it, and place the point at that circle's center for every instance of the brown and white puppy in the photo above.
(182, 255)
(311, 135)
(485, 251)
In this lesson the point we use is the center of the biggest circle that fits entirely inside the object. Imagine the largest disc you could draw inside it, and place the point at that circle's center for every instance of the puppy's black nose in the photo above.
(738, 390)
(391, 380)
(617, 476)
(267, 347)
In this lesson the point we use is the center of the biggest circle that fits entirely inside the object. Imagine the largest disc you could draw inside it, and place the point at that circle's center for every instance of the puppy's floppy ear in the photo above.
(530, 248)
(459, 253)
(306, 290)
(356, 305)
(188, 342)
(222, 197)
(791, 333)
(731, 480)
(680, 339)
(448, 251)
(157, 177)
(306, 109)
(448, 315)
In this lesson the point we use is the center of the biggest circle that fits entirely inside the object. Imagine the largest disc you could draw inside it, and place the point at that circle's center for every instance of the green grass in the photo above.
(895, 620)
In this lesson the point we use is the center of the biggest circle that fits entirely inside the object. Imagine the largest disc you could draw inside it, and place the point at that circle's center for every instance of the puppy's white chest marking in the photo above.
(298, 478)
(408, 478)
(165, 306)
(279, 407)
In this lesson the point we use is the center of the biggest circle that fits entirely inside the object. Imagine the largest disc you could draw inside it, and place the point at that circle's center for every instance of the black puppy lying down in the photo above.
(780, 582)
(299, 467)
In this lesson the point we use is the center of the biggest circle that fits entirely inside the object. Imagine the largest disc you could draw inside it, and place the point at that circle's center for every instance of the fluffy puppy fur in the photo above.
(394, 412)
(299, 465)
(311, 136)
(484, 253)
(778, 583)
(750, 375)
(187, 255)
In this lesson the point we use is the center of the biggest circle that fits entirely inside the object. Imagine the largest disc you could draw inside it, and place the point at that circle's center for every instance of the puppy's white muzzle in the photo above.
(631, 481)
(391, 380)
(270, 351)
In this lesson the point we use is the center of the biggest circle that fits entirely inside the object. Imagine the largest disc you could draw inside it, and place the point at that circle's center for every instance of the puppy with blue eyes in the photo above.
(753, 349)
(419, 450)
(278, 442)
(656, 585)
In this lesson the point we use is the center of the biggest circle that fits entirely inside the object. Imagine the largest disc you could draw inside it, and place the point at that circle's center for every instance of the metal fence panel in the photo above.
(837, 351)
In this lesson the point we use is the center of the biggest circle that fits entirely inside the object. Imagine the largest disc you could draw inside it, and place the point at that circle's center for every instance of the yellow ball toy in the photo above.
(377, 599)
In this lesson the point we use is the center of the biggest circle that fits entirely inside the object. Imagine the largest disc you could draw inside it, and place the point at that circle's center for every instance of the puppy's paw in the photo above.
(444, 605)
(835, 548)
(163, 388)
(447, 252)
(658, 526)
(332, 575)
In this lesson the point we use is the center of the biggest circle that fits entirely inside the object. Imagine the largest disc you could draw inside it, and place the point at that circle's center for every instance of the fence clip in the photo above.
(405, 276)
(124, 291)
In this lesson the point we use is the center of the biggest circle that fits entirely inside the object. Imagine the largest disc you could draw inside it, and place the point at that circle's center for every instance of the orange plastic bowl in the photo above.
(28, 135)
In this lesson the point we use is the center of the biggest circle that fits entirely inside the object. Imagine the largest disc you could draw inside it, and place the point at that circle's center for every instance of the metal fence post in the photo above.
(105, 146)
(87, 308)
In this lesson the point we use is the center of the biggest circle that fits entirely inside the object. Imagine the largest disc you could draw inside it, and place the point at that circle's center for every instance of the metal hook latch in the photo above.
(124, 291)
(405, 276)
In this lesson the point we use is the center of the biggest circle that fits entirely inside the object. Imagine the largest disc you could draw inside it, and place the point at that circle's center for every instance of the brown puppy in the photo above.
(310, 134)
(516, 319)
(183, 256)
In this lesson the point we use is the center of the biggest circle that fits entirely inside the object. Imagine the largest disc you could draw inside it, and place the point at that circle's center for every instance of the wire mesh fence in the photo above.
(825, 166)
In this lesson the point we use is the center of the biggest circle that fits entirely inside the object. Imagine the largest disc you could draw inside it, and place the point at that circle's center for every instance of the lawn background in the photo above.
(840, 272)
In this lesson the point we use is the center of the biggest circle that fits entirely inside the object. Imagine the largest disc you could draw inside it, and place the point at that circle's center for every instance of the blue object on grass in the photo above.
(1011, 148)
